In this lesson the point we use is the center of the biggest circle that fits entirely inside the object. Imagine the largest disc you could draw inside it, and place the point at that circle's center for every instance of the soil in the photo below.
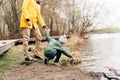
(40, 71)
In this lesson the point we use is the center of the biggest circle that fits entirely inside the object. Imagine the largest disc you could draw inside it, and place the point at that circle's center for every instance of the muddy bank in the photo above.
(40, 71)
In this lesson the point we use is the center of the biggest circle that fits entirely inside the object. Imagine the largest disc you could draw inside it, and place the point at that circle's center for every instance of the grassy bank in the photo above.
(12, 69)
(14, 57)
(7, 59)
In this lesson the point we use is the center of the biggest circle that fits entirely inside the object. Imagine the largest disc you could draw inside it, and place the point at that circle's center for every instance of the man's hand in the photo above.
(45, 27)
(29, 23)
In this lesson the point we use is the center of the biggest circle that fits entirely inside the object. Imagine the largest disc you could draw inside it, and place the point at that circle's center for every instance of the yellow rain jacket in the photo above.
(31, 11)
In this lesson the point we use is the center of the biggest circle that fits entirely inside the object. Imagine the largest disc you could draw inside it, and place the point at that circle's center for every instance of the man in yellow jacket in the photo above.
(28, 23)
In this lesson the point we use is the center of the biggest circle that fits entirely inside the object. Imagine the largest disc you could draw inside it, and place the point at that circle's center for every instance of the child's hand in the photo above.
(73, 58)
(47, 29)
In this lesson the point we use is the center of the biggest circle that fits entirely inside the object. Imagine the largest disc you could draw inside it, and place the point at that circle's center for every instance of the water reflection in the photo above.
(102, 51)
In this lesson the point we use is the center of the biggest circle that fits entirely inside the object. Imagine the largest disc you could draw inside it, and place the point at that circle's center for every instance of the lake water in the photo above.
(101, 52)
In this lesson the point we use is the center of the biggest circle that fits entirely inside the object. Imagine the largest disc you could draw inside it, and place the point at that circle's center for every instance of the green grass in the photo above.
(7, 59)
(1, 78)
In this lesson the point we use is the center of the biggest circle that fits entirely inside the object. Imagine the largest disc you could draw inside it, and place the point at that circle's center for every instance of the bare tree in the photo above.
(91, 16)
(3, 26)
(51, 14)
(11, 16)
(83, 16)
(1, 2)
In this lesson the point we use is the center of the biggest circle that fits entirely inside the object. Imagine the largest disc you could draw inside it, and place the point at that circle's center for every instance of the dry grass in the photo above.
(71, 46)
(70, 61)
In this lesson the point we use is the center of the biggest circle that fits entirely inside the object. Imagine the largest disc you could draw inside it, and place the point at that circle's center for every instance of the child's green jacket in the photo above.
(54, 46)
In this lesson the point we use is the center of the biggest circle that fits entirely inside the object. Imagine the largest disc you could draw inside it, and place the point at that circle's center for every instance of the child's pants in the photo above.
(58, 55)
